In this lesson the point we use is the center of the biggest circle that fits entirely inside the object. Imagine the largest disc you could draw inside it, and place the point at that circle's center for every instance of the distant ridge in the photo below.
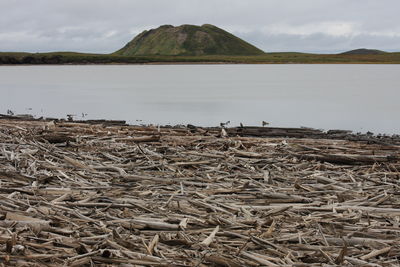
(364, 51)
(187, 40)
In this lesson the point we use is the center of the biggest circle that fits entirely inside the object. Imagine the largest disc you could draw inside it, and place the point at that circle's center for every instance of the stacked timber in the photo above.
(310, 133)
(276, 132)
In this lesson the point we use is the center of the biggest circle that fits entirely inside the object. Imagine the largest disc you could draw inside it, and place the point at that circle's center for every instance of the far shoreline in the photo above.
(71, 58)
(202, 63)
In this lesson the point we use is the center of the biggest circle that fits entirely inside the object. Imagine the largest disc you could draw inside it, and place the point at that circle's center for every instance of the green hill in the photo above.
(187, 40)
(364, 51)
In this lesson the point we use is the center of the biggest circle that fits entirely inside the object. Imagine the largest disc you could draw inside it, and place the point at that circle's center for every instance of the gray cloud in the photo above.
(273, 25)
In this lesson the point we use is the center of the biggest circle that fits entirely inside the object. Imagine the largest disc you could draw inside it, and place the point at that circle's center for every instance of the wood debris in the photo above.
(87, 194)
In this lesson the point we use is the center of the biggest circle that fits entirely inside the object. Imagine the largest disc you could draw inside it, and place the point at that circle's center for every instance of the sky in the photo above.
(104, 26)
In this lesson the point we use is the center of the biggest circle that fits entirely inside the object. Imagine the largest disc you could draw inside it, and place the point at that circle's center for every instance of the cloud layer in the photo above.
(273, 25)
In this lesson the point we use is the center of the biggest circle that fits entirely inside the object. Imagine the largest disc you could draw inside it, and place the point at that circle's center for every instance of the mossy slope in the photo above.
(187, 40)
(364, 51)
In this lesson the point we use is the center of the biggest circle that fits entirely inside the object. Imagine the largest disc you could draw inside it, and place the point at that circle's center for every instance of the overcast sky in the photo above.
(103, 26)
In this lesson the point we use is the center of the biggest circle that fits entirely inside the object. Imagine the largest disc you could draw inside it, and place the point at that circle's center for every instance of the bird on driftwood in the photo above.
(264, 123)
(70, 117)
(223, 124)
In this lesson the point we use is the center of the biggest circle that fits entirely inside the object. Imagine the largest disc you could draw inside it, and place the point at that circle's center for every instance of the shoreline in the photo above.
(60, 58)
(75, 193)
(207, 63)
(248, 130)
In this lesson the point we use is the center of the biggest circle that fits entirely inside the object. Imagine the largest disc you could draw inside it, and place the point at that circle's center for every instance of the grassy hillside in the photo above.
(187, 40)
(268, 58)
(364, 51)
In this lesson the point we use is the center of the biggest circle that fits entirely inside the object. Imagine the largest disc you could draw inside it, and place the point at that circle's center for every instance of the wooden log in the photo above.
(222, 261)
(347, 158)
(140, 139)
(55, 138)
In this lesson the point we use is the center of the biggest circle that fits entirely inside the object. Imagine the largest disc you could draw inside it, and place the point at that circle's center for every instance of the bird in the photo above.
(223, 124)
(264, 123)
(70, 117)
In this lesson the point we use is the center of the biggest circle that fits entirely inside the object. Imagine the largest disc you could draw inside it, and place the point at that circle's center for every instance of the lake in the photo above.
(355, 97)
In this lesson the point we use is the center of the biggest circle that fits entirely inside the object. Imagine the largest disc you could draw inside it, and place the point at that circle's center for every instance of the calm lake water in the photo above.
(356, 97)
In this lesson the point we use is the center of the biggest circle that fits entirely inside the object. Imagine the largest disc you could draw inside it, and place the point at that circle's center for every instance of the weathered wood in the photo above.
(191, 196)
(54, 138)
(348, 158)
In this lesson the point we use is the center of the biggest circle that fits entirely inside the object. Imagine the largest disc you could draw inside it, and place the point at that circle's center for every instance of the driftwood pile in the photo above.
(75, 194)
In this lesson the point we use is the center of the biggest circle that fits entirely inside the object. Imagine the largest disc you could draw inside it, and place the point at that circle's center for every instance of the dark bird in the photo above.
(70, 117)
(223, 124)
(264, 123)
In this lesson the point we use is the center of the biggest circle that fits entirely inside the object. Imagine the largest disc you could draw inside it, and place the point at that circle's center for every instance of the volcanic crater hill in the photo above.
(187, 40)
